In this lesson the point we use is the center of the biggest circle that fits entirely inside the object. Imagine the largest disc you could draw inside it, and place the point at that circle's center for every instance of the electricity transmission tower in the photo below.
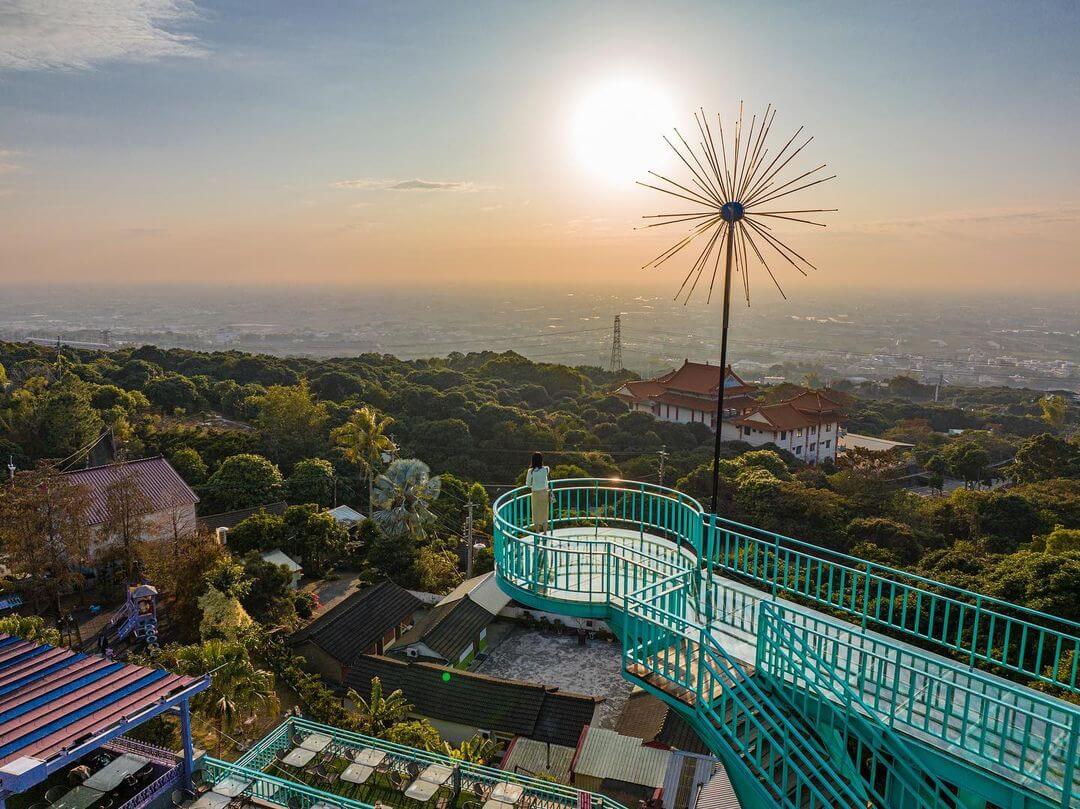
(616, 346)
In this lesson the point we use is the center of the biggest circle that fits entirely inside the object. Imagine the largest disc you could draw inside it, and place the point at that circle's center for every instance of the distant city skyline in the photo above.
(418, 145)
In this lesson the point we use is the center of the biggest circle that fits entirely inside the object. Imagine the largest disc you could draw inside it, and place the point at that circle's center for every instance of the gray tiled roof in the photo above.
(476, 700)
(348, 629)
(450, 627)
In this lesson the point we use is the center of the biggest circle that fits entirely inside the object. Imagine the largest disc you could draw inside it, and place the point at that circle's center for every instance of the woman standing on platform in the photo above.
(538, 479)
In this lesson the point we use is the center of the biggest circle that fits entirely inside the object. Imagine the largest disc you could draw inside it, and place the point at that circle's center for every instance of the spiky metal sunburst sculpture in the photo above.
(730, 200)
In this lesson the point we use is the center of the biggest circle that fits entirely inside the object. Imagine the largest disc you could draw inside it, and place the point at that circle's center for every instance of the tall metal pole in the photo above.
(723, 366)
(469, 539)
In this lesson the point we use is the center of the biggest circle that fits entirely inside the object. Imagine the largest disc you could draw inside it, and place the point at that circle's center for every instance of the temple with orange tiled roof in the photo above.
(688, 394)
(806, 425)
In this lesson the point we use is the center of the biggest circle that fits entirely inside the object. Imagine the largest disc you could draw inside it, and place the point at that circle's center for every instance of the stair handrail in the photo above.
(771, 618)
(792, 740)
(801, 756)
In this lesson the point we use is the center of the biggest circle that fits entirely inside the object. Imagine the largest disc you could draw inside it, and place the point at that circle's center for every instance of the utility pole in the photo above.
(937, 386)
(616, 346)
(663, 456)
(469, 539)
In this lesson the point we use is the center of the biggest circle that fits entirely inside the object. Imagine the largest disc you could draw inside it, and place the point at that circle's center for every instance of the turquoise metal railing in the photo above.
(968, 625)
(971, 626)
(732, 708)
(275, 789)
(983, 718)
(656, 590)
(785, 656)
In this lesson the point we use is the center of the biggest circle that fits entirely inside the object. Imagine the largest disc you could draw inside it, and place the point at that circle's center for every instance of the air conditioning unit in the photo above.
(485, 734)
(412, 652)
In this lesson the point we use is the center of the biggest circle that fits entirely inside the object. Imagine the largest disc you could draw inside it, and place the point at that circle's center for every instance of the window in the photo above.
(799, 433)
(798, 450)
(812, 447)
(783, 435)
(828, 443)
(828, 428)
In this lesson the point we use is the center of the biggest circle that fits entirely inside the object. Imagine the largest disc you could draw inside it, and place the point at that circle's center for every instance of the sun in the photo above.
(615, 128)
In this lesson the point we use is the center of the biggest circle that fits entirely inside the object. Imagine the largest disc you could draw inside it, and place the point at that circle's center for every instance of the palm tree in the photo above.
(402, 498)
(237, 689)
(380, 712)
(363, 441)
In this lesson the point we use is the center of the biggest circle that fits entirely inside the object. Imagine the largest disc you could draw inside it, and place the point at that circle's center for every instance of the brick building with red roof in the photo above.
(688, 394)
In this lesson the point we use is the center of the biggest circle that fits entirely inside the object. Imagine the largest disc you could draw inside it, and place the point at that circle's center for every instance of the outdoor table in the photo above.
(231, 786)
(429, 782)
(211, 800)
(113, 774)
(357, 773)
(316, 742)
(370, 757)
(507, 793)
(80, 797)
(298, 757)
(491, 803)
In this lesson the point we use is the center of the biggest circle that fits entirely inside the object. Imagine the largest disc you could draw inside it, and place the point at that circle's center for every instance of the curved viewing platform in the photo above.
(742, 628)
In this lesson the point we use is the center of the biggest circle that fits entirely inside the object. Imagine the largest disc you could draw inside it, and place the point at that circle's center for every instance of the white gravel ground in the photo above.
(558, 660)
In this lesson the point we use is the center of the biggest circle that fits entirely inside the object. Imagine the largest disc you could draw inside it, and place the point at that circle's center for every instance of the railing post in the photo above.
(1071, 754)
(866, 595)
(776, 565)
(641, 510)
(975, 631)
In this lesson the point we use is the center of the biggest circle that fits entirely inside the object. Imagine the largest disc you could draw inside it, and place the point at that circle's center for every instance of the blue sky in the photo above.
(247, 141)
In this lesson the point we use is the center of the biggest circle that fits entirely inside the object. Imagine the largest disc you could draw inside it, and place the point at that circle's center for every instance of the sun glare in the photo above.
(616, 127)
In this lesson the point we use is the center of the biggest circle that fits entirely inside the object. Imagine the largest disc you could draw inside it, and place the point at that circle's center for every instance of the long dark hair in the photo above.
(538, 460)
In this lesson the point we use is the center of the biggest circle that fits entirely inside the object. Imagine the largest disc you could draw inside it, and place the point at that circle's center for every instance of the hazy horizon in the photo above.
(432, 145)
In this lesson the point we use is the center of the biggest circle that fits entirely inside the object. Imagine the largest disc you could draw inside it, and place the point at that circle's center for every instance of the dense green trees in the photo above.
(243, 481)
(311, 481)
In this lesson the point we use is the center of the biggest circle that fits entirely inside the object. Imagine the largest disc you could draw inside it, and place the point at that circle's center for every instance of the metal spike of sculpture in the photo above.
(731, 212)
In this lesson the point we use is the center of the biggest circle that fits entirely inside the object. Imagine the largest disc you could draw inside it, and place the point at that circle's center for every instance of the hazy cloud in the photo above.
(410, 185)
(136, 232)
(952, 220)
(7, 161)
(64, 35)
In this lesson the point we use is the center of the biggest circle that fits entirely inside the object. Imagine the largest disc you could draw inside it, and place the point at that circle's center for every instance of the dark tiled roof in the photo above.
(230, 519)
(348, 629)
(449, 628)
(157, 480)
(476, 700)
(652, 721)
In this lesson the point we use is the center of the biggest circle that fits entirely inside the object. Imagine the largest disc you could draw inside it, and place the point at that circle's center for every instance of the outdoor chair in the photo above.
(38, 806)
(177, 797)
(295, 802)
(413, 769)
(144, 773)
(53, 794)
(296, 739)
(323, 775)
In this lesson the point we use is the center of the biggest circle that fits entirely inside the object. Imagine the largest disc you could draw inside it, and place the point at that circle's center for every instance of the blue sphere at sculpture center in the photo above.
(732, 211)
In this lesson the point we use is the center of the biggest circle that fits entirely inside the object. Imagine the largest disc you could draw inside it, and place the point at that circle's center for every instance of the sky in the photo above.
(456, 144)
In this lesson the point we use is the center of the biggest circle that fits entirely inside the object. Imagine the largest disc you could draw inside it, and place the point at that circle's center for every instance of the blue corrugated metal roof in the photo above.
(53, 700)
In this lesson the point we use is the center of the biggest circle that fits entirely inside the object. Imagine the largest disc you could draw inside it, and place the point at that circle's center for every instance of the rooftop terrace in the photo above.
(303, 764)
